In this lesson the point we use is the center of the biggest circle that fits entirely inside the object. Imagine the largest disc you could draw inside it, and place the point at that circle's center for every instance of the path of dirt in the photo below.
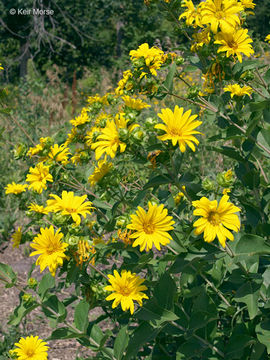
(36, 324)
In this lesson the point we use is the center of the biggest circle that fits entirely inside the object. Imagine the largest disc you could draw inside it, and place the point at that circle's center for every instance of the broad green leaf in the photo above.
(141, 336)
(165, 299)
(53, 308)
(251, 245)
(7, 274)
(157, 180)
(168, 84)
(121, 342)
(46, 283)
(263, 334)
(155, 314)
(21, 311)
(249, 294)
(81, 315)
(237, 344)
(63, 333)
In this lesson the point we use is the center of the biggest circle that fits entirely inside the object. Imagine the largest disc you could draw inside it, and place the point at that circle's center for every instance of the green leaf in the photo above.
(143, 334)
(165, 298)
(168, 83)
(58, 312)
(249, 294)
(263, 334)
(121, 342)
(237, 344)
(21, 311)
(7, 274)
(157, 180)
(251, 245)
(227, 151)
(46, 283)
(81, 315)
(155, 314)
(63, 333)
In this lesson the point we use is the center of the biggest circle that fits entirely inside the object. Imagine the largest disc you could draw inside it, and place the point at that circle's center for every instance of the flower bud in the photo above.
(179, 60)
(32, 283)
(208, 184)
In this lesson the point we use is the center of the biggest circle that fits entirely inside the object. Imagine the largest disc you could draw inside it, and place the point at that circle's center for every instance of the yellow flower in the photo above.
(126, 288)
(1, 67)
(151, 228)
(108, 142)
(237, 90)
(43, 141)
(38, 208)
(221, 13)
(179, 127)
(16, 189)
(91, 134)
(50, 249)
(81, 119)
(192, 15)
(38, 177)
(31, 348)
(125, 236)
(179, 196)
(226, 191)
(71, 136)
(228, 175)
(136, 104)
(17, 237)
(235, 43)
(83, 252)
(124, 83)
(99, 172)
(153, 57)
(216, 219)
(268, 38)
(202, 37)
(98, 99)
(59, 153)
(70, 205)
(248, 4)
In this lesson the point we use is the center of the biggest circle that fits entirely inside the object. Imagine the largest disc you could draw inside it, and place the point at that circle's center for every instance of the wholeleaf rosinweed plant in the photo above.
(177, 257)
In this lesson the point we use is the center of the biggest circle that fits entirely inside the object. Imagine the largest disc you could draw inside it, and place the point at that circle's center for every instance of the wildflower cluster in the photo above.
(136, 204)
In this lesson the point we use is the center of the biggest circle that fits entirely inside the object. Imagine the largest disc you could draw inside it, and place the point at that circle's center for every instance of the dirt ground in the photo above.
(35, 323)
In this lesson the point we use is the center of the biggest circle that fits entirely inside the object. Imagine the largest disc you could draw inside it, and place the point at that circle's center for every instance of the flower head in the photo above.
(59, 153)
(236, 43)
(70, 204)
(126, 288)
(151, 228)
(100, 171)
(179, 127)
(136, 104)
(216, 219)
(108, 142)
(81, 119)
(16, 189)
(38, 177)
(33, 207)
(268, 38)
(192, 14)
(50, 248)
(83, 252)
(248, 4)
(153, 57)
(237, 90)
(31, 348)
(223, 14)
(17, 237)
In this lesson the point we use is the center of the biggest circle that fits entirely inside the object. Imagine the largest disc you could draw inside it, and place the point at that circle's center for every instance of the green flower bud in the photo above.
(28, 298)
(32, 283)
(72, 240)
(19, 151)
(179, 60)
(208, 184)
(193, 92)
(226, 178)
(123, 134)
(247, 75)
(59, 218)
